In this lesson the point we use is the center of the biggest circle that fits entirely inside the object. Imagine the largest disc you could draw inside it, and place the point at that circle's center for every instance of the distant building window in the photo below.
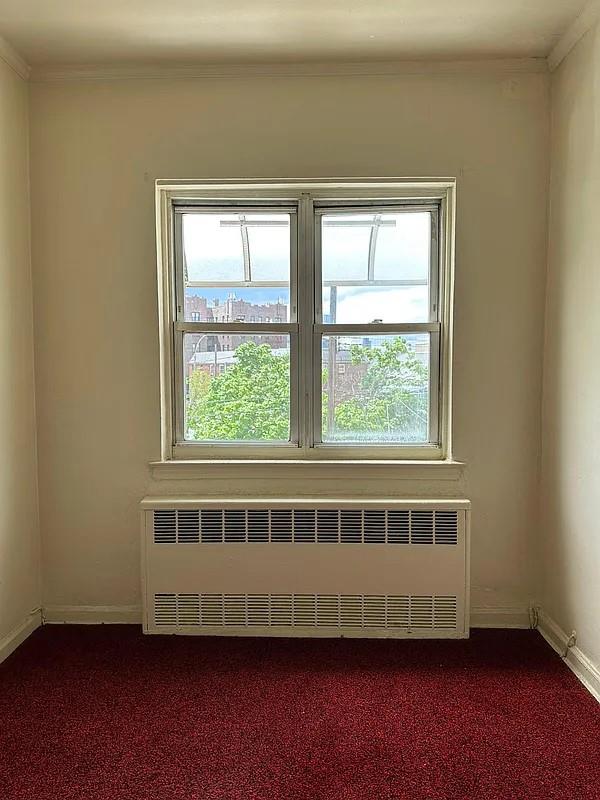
(333, 313)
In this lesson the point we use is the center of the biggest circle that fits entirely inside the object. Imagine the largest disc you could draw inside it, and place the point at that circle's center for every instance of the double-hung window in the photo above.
(306, 319)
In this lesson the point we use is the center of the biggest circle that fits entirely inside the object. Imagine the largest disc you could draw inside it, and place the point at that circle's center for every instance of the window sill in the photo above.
(257, 469)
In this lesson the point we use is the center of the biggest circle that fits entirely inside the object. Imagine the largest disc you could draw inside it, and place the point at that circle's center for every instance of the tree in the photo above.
(391, 402)
(198, 388)
(250, 401)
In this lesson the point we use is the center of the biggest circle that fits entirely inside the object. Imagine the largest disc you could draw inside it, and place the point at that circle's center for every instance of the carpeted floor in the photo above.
(103, 713)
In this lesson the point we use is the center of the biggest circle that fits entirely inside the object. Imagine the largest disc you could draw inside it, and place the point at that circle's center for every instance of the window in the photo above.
(306, 320)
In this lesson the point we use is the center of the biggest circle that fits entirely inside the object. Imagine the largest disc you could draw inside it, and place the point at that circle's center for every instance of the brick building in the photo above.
(233, 309)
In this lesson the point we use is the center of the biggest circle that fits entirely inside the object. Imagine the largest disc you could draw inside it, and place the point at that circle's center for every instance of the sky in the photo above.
(355, 305)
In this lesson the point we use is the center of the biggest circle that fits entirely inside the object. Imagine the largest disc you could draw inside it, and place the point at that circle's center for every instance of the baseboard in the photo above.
(92, 615)
(500, 617)
(481, 617)
(10, 642)
(577, 661)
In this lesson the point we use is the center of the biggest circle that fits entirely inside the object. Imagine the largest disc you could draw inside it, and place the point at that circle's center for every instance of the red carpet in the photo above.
(103, 713)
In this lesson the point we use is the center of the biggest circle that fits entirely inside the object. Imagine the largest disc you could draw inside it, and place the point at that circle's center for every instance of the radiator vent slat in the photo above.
(351, 526)
(211, 525)
(421, 527)
(258, 525)
(410, 613)
(306, 526)
(234, 525)
(445, 527)
(165, 527)
(188, 526)
(282, 521)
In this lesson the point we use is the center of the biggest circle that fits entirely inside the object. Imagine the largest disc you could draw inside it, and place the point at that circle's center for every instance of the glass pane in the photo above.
(345, 246)
(236, 387)
(212, 247)
(376, 389)
(236, 267)
(243, 305)
(269, 245)
(375, 267)
(403, 246)
(367, 304)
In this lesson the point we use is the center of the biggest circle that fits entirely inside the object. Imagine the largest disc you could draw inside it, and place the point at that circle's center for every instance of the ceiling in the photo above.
(105, 32)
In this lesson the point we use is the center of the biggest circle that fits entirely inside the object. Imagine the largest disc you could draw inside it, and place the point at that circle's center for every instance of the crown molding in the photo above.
(576, 31)
(348, 69)
(9, 55)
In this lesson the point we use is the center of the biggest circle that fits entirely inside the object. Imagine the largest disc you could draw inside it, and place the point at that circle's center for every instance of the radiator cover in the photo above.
(395, 568)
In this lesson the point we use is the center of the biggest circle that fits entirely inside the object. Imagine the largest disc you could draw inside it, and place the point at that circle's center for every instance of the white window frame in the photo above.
(309, 198)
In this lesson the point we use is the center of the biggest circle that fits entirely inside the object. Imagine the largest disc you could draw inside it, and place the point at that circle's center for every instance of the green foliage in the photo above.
(391, 402)
(198, 388)
(250, 401)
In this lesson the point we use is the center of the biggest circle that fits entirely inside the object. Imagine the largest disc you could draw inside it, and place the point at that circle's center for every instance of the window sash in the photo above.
(179, 330)
(433, 327)
(307, 329)
(179, 211)
(181, 326)
(434, 381)
(376, 208)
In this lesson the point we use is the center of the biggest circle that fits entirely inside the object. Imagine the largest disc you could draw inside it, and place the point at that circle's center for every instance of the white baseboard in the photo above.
(92, 615)
(10, 642)
(577, 661)
(500, 617)
(481, 617)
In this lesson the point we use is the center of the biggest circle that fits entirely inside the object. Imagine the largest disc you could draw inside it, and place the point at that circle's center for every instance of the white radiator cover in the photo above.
(306, 567)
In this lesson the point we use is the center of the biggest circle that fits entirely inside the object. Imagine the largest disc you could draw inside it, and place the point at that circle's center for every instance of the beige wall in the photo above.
(97, 148)
(571, 453)
(19, 526)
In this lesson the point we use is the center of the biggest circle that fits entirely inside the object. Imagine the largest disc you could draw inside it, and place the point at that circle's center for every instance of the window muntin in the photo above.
(413, 267)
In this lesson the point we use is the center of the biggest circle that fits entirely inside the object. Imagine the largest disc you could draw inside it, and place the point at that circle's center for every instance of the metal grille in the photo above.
(427, 612)
(306, 525)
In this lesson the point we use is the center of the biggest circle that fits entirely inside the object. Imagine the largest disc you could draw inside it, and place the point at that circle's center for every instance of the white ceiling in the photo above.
(58, 32)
